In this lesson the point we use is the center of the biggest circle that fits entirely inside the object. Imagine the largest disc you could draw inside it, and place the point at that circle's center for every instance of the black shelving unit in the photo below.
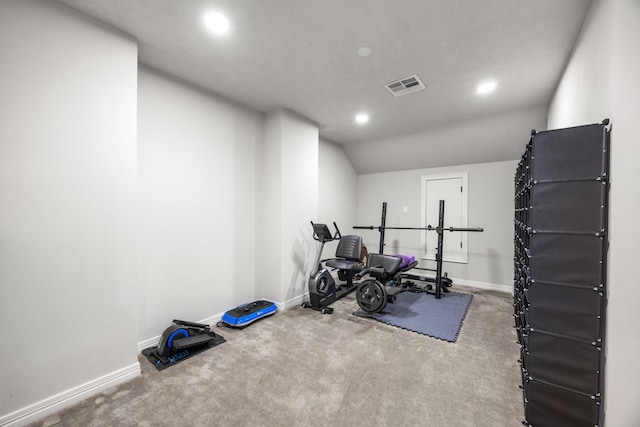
(561, 192)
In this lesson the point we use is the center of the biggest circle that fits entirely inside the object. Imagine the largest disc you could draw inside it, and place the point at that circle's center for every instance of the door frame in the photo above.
(464, 206)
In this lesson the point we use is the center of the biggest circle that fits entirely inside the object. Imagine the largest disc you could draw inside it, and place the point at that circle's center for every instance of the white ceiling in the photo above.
(302, 55)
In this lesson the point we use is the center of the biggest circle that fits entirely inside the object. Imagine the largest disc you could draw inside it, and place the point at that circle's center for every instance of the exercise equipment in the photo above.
(373, 294)
(348, 261)
(441, 281)
(179, 342)
(245, 314)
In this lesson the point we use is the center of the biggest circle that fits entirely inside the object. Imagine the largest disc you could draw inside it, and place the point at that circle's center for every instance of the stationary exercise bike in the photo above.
(322, 286)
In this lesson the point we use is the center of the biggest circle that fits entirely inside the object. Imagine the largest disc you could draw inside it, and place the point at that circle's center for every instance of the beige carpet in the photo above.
(302, 368)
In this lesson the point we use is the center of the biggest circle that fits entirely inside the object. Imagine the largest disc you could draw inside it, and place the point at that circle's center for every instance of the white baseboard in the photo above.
(149, 342)
(67, 398)
(293, 302)
(483, 285)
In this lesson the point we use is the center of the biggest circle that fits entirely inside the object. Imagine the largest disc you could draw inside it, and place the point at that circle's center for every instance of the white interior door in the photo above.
(453, 190)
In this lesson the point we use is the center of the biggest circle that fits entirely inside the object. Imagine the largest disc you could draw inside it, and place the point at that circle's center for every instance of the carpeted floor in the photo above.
(302, 368)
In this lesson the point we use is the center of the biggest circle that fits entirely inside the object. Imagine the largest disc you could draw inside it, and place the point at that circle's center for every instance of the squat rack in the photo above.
(440, 229)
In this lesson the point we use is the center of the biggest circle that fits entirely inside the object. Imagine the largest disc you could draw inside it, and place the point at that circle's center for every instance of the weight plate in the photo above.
(371, 296)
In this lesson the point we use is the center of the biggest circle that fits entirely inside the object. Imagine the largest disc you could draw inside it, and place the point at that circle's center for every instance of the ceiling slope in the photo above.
(302, 55)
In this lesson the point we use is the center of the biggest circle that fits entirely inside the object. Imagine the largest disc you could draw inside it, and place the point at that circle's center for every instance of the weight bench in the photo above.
(373, 294)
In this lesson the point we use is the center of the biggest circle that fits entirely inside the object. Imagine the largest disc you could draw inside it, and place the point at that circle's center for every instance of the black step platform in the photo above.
(180, 342)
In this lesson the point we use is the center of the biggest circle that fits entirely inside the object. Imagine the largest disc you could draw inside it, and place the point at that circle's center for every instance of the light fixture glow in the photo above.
(486, 87)
(364, 51)
(217, 22)
(362, 118)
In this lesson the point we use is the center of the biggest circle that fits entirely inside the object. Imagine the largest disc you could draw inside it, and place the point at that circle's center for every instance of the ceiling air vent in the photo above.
(405, 86)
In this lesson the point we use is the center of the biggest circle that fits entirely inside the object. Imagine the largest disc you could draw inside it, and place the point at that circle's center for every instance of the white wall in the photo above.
(196, 177)
(299, 202)
(67, 210)
(602, 80)
(490, 190)
(269, 210)
(582, 96)
(288, 201)
(337, 191)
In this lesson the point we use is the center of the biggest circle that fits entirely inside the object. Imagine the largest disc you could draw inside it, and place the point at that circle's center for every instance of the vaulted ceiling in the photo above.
(302, 55)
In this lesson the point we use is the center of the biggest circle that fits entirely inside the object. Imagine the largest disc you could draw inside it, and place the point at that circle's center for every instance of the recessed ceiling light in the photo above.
(362, 118)
(364, 51)
(486, 87)
(217, 22)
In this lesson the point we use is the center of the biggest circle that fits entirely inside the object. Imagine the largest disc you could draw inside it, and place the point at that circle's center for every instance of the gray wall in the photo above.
(299, 188)
(337, 191)
(490, 190)
(67, 204)
(288, 200)
(269, 210)
(196, 198)
(600, 81)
